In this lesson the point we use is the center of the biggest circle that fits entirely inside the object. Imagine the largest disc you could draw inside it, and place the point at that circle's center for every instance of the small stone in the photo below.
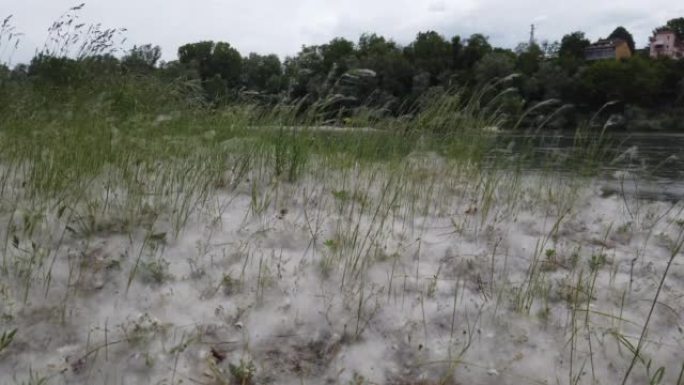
(218, 355)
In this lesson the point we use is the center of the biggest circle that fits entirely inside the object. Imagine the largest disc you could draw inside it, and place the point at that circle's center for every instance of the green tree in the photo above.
(573, 45)
(218, 64)
(494, 65)
(550, 49)
(263, 73)
(141, 59)
(622, 33)
(20, 71)
(571, 51)
(4, 72)
(227, 63)
(677, 25)
(476, 48)
(456, 52)
(393, 69)
(636, 81)
(197, 56)
(371, 44)
(337, 52)
(58, 71)
(306, 73)
(550, 81)
(529, 58)
(431, 53)
(176, 70)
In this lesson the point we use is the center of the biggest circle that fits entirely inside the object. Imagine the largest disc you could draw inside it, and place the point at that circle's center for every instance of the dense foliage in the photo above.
(377, 74)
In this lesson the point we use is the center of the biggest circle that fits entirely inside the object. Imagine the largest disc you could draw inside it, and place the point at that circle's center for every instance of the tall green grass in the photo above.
(137, 156)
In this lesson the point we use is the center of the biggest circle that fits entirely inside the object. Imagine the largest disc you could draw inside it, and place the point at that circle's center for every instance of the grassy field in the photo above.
(148, 239)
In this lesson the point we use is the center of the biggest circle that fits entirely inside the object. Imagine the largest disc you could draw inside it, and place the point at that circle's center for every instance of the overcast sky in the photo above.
(283, 26)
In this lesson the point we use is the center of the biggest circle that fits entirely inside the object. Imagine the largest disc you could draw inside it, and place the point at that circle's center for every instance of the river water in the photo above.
(649, 165)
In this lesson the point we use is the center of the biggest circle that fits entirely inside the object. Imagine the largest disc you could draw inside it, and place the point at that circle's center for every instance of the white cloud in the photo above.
(283, 26)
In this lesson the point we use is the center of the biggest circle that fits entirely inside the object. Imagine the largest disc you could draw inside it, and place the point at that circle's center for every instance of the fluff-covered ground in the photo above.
(415, 272)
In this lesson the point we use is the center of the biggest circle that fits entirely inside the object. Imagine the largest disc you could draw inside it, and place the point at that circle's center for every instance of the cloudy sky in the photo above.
(282, 26)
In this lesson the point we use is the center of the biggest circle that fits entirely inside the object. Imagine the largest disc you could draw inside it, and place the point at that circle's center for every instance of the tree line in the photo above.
(387, 78)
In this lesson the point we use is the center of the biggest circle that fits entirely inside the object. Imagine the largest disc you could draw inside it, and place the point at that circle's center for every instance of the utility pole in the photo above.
(532, 42)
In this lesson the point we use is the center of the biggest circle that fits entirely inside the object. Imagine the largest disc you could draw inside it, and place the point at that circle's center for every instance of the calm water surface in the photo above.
(650, 164)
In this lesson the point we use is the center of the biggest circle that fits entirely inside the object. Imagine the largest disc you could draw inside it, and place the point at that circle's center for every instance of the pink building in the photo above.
(664, 42)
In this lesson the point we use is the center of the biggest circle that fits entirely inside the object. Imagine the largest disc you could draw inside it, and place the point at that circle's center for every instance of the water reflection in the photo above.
(649, 165)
